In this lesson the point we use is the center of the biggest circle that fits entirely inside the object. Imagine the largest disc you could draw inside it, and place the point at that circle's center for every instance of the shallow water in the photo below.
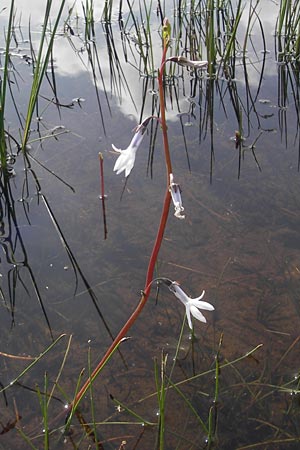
(239, 242)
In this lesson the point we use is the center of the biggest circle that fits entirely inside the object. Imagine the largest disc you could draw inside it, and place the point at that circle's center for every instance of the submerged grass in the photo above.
(160, 382)
(93, 430)
(32, 364)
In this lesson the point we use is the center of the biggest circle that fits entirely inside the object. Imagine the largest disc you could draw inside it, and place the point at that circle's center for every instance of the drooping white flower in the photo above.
(192, 305)
(127, 157)
(175, 192)
(183, 61)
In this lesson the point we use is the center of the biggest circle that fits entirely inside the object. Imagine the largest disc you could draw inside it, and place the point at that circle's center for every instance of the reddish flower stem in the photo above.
(145, 294)
(153, 258)
(102, 195)
(163, 114)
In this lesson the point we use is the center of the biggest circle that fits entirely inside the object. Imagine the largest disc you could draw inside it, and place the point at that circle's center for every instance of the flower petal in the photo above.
(199, 64)
(120, 163)
(129, 168)
(192, 305)
(200, 296)
(188, 315)
(127, 157)
(179, 293)
(202, 305)
(197, 314)
(137, 137)
(175, 192)
(125, 161)
(183, 61)
(116, 149)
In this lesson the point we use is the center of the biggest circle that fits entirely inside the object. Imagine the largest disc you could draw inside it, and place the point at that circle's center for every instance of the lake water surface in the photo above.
(239, 241)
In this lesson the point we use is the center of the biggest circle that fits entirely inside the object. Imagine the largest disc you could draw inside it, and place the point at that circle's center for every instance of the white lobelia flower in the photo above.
(127, 157)
(175, 192)
(183, 61)
(192, 305)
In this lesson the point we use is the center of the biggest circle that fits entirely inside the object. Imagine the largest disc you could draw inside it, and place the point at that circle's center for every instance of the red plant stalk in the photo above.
(166, 37)
(102, 195)
(156, 247)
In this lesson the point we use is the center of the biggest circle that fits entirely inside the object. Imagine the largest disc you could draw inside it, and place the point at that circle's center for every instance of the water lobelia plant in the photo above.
(125, 162)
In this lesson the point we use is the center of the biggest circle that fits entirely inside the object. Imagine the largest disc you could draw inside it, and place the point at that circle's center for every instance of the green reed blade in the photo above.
(79, 394)
(160, 379)
(122, 406)
(73, 409)
(92, 403)
(3, 86)
(282, 16)
(26, 439)
(230, 45)
(60, 371)
(190, 406)
(44, 408)
(41, 64)
(33, 363)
